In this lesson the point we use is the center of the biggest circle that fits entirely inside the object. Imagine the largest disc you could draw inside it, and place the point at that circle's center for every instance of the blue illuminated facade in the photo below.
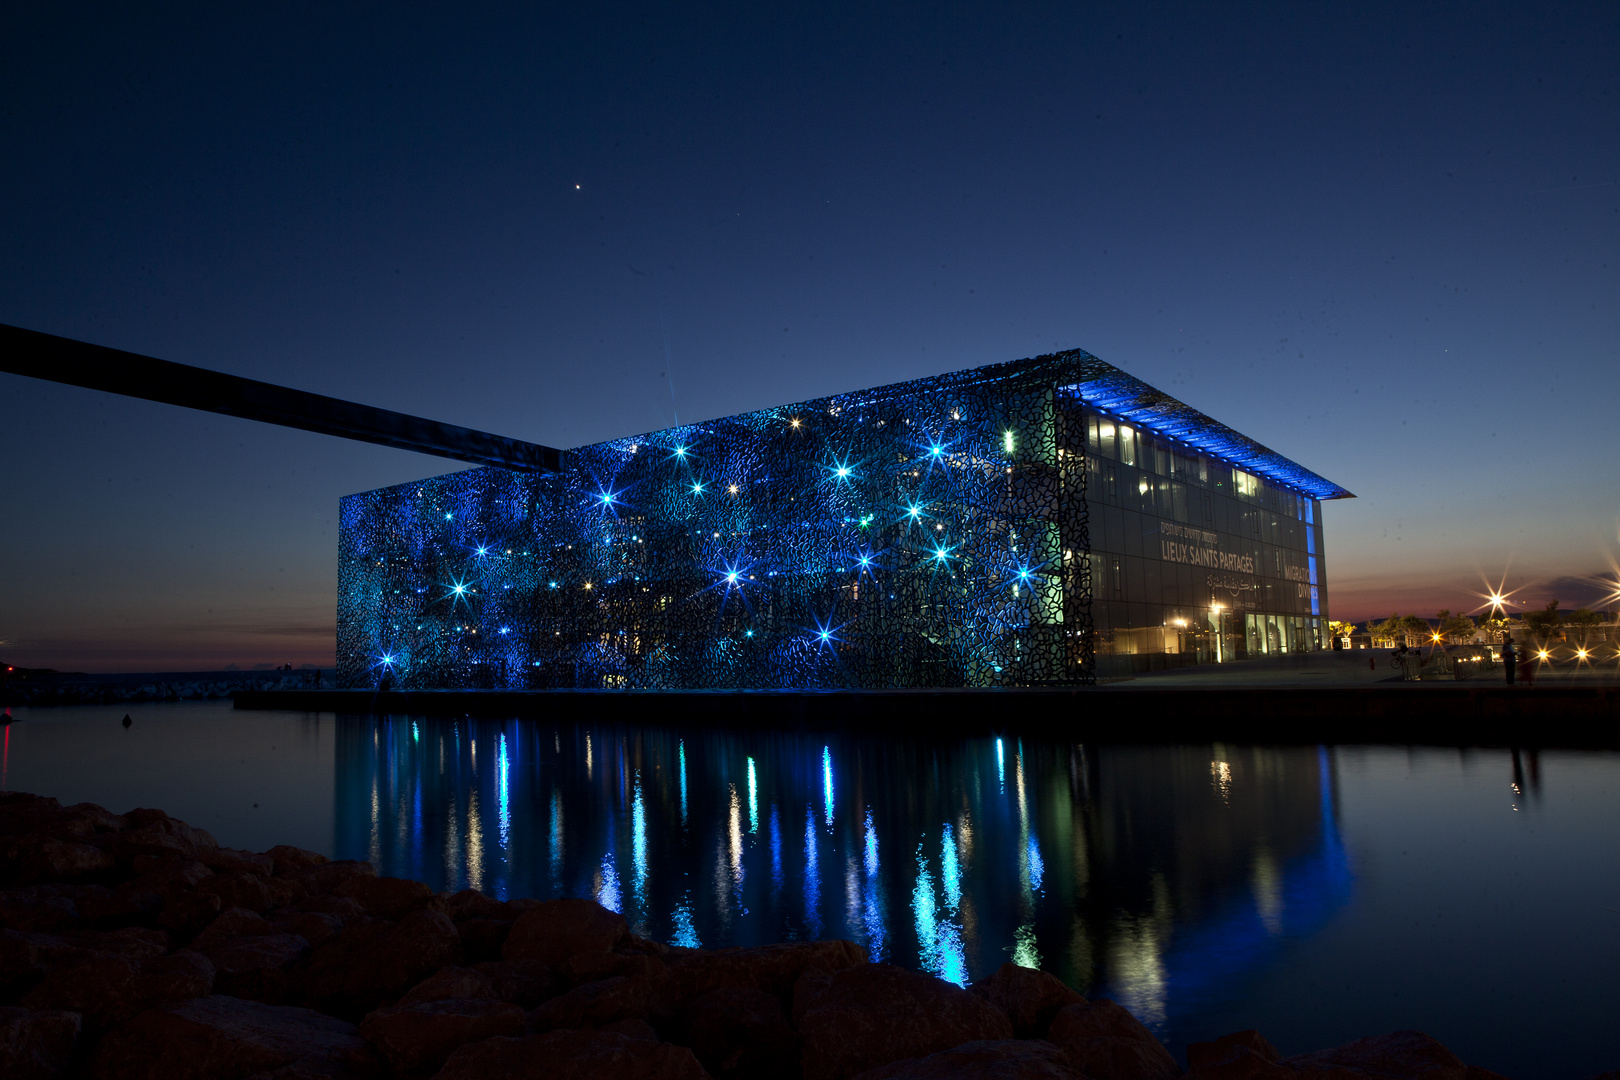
(1034, 523)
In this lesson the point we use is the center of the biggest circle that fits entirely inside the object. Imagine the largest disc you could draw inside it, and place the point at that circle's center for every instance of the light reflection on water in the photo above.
(940, 868)
(1318, 895)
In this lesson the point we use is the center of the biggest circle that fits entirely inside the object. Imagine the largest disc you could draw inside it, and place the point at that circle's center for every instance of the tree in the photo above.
(1456, 628)
(1416, 630)
(1544, 623)
(1337, 629)
(1583, 621)
(1389, 630)
(1496, 628)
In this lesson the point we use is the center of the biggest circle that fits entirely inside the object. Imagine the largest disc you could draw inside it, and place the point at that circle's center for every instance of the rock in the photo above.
(1108, 1043)
(256, 968)
(572, 1055)
(31, 858)
(598, 1003)
(416, 1039)
(593, 967)
(771, 968)
(233, 923)
(522, 982)
(238, 890)
(634, 1029)
(871, 1015)
(739, 1032)
(288, 860)
(324, 879)
(1030, 998)
(108, 989)
(372, 962)
(1242, 1055)
(1400, 1054)
(472, 904)
(1007, 1059)
(38, 908)
(223, 1037)
(451, 982)
(553, 932)
(385, 897)
(36, 1045)
(313, 926)
(482, 939)
(188, 913)
(231, 860)
(156, 821)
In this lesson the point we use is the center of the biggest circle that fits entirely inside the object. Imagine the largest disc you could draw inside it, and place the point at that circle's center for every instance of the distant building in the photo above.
(1044, 522)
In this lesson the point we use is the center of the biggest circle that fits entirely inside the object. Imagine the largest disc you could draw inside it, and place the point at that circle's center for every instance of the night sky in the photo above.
(1384, 241)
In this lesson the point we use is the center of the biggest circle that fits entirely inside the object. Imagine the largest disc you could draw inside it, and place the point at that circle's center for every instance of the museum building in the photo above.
(1045, 522)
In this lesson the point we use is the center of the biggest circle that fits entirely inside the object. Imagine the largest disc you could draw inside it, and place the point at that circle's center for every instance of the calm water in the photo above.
(1317, 894)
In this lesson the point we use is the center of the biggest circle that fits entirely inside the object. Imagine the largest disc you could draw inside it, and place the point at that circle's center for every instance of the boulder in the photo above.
(602, 1002)
(385, 897)
(257, 968)
(1004, 1059)
(217, 1037)
(771, 968)
(372, 962)
(38, 908)
(871, 1015)
(32, 858)
(240, 890)
(523, 982)
(483, 939)
(451, 982)
(555, 931)
(233, 860)
(740, 1032)
(1400, 1054)
(1030, 998)
(108, 989)
(472, 904)
(314, 927)
(1108, 1043)
(324, 878)
(188, 913)
(156, 821)
(416, 1039)
(288, 860)
(572, 1055)
(36, 1045)
(1242, 1055)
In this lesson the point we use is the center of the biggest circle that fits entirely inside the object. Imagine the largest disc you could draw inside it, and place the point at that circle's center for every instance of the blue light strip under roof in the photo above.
(1130, 399)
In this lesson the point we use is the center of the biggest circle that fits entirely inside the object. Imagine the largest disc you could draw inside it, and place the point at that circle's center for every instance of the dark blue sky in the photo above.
(1381, 240)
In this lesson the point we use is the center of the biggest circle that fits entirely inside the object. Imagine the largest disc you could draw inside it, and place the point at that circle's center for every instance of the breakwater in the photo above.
(134, 946)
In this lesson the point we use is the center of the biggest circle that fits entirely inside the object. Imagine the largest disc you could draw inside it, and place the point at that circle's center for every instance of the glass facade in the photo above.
(1194, 559)
(1041, 522)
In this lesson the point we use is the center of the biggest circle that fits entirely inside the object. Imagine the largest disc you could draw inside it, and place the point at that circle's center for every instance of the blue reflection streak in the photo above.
(776, 851)
(503, 766)
(685, 933)
(939, 941)
(1001, 767)
(826, 780)
(683, 782)
(638, 816)
(872, 897)
(812, 874)
(607, 892)
(753, 799)
(950, 870)
(1037, 867)
(556, 838)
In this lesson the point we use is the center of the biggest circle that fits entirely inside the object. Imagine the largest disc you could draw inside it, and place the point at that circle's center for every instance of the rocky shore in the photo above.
(136, 948)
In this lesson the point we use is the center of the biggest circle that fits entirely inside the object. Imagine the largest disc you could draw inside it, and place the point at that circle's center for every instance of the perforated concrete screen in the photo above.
(935, 533)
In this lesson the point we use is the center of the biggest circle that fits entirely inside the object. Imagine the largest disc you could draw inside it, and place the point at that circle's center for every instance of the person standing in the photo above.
(1509, 659)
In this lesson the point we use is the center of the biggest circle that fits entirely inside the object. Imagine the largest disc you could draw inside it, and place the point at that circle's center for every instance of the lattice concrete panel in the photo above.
(926, 534)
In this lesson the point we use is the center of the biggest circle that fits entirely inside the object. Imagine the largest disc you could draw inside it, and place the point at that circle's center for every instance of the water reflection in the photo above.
(1152, 875)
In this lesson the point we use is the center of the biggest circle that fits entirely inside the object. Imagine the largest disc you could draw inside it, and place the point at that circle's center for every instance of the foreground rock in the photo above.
(134, 947)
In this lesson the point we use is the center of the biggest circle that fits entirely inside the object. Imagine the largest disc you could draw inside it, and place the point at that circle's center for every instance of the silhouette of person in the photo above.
(1509, 659)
